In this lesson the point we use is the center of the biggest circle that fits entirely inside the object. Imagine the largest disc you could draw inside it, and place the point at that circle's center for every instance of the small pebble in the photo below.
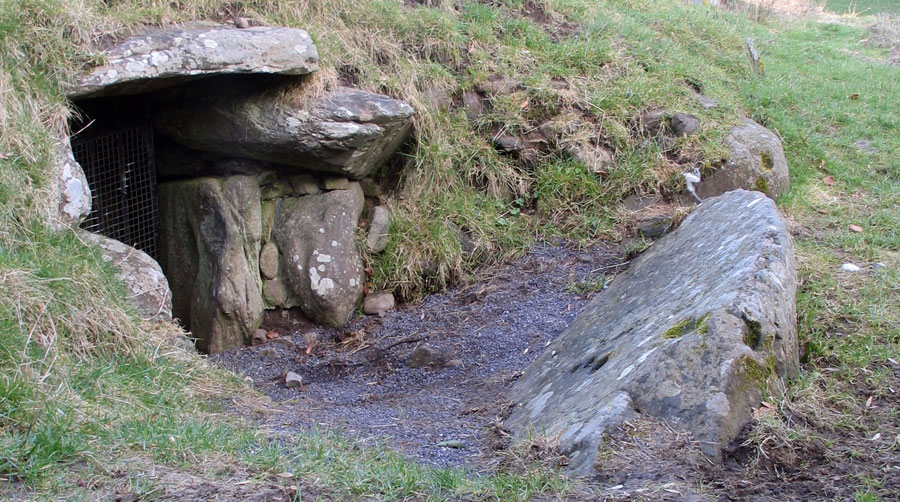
(849, 267)
(292, 380)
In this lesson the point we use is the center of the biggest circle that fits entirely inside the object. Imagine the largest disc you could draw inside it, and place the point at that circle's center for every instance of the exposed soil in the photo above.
(357, 378)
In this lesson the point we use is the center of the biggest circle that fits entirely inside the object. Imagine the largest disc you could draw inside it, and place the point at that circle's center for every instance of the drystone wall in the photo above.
(259, 205)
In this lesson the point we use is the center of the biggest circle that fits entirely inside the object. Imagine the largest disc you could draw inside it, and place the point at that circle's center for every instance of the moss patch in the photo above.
(753, 334)
(767, 163)
(757, 374)
(762, 185)
(685, 326)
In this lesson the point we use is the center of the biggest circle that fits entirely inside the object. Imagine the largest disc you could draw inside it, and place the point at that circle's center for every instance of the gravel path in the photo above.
(357, 378)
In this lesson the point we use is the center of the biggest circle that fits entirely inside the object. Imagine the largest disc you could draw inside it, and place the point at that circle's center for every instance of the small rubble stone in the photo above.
(268, 261)
(454, 363)
(303, 184)
(437, 98)
(293, 380)
(655, 226)
(378, 303)
(473, 104)
(684, 124)
(497, 85)
(509, 144)
(425, 356)
(259, 338)
(651, 120)
(335, 183)
(705, 102)
(378, 237)
(268, 352)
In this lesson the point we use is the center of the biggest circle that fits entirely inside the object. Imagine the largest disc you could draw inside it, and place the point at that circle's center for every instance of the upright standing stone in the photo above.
(316, 235)
(210, 232)
(692, 333)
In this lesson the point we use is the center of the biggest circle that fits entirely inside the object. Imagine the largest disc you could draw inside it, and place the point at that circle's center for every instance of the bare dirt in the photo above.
(357, 379)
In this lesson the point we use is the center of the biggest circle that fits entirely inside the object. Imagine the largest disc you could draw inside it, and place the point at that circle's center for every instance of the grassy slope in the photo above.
(864, 7)
(81, 381)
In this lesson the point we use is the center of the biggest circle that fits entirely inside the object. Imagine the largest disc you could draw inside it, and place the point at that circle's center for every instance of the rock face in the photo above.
(756, 162)
(691, 333)
(347, 132)
(379, 229)
(162, 58)
(147, 287)
(316, 238)
(210, 230)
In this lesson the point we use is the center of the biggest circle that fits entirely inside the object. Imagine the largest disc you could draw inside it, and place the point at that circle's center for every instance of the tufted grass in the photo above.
(85, 388)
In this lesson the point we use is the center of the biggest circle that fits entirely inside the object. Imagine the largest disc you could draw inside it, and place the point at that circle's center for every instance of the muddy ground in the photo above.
(357, 379)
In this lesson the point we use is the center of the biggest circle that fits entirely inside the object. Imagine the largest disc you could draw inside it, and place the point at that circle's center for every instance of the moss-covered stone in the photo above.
(761, 185)
(678, 329)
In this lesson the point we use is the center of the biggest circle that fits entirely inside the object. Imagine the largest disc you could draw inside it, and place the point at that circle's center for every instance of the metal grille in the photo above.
(120, 171)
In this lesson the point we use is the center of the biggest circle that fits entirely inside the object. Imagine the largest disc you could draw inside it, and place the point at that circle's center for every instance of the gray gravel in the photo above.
(496, 327)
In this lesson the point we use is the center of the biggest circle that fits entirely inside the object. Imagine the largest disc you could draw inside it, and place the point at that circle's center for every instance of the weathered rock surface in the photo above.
(597, 158)
(347, 132)
(146, 285)
(655, 226)
(692, 333)
(316, 236)
(756, 162)
(166, 57)
(210, 230)
(71, 196)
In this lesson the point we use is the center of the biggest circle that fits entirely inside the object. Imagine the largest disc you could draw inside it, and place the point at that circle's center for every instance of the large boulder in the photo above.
(146, 286)
(320, 262)
(692, 333)
(210, 231)
(346, 131)
(162, 58)
(756, 161)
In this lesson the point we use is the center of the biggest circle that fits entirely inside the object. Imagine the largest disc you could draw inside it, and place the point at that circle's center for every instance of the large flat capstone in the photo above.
(166, 57)
(692, 334)
(347, 131)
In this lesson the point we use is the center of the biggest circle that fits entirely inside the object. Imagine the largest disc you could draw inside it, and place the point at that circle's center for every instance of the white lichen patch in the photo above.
(323, 258)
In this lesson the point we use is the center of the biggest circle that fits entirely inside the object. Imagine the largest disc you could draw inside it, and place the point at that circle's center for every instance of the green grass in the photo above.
(863, 7)
(82, 382)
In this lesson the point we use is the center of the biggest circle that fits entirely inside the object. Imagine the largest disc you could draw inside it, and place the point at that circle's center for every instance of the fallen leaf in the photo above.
(854, 96)
(822, 164)
(272, 334)
(524, 104)
(876, 437)
(829, 180)
(285, 475)
(869, 402)
(856, 228)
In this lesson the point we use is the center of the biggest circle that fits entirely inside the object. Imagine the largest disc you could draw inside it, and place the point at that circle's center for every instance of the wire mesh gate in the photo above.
(121, 174)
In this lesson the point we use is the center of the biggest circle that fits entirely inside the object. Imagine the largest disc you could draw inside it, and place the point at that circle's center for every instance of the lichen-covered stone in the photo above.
(210, 231)
(70, 196)
(345, 132)
(161, 58)
(147, 288)
(692, 333)
(756, 161)
(316, 235)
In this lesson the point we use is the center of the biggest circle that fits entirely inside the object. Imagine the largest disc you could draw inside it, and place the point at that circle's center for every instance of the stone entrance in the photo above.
(212, 150)
(118, 162)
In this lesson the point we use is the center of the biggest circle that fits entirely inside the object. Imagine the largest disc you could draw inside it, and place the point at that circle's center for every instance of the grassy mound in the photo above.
(85, 387)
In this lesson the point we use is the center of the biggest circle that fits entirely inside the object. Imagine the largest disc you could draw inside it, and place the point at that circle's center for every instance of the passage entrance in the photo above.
(119, 167)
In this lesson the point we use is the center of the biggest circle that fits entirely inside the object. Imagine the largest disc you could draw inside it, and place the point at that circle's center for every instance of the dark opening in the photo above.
(114, 146)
